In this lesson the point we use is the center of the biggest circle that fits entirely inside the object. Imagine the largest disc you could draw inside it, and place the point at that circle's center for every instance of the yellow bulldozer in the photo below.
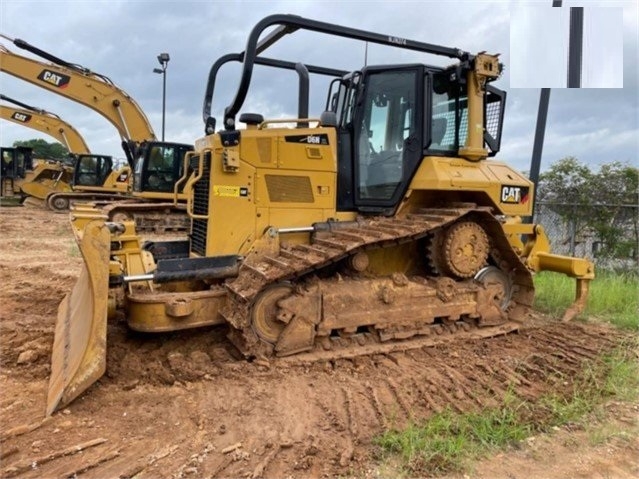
(382, 224)
(24, 177)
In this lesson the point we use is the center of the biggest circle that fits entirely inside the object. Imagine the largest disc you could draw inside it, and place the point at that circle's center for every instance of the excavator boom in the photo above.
(88, 88)
(45, 122)
(155, 166)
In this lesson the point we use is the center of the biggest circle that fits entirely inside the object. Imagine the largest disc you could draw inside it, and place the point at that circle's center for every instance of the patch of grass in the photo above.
(62, 230)
(613, 297)
(622, 381)
(606, 432)
(450, 442)
(74, 251)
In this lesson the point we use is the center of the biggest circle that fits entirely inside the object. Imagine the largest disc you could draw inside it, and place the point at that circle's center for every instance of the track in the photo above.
(295, 263)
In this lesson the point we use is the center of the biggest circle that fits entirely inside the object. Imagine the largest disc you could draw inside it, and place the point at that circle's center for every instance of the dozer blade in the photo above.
(79, 346)
(42, 189)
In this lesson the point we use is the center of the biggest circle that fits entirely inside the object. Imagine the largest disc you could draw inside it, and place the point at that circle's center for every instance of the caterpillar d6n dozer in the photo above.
(381, 225)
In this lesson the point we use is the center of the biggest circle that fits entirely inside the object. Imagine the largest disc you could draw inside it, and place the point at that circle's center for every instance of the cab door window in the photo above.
(92, 170)
(87, 171)
(387, 123)
(160, 169)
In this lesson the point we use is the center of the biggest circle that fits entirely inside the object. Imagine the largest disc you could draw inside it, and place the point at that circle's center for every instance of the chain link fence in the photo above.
(606, 234)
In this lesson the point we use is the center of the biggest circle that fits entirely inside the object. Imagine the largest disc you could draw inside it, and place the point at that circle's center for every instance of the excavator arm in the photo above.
(80, 84)
(45, 122)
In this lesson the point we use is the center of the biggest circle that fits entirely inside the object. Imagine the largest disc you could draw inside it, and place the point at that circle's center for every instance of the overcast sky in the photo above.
(121, 39)
(539, 42)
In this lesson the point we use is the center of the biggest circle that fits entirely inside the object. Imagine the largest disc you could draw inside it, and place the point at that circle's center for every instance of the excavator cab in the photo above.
(92, 170)
(158, 166)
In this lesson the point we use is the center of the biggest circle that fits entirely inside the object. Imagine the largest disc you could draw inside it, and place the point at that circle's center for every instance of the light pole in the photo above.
(163, 58)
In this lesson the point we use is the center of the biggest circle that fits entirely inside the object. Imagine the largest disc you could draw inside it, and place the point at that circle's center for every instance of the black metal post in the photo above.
(540, 132)
(163, 59)
(575, 46)
(163, 101)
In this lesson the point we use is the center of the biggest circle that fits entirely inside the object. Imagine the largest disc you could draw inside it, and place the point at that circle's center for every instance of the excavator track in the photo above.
(264, 297)
(149, 217)
(61, 202)
(158, 218)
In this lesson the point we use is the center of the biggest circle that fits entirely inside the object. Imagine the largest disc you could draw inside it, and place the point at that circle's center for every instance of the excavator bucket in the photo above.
(42, 189)
(79, 346)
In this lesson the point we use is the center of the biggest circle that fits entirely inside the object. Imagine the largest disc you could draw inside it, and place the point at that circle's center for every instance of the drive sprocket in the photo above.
(460, 250)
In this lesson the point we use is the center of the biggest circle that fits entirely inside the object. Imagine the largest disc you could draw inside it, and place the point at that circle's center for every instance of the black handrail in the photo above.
(291, 23)
(238, 57)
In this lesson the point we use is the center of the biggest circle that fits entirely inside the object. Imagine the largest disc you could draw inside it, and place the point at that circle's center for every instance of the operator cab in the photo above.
(159, 166)
(92, 170)
(389, 118)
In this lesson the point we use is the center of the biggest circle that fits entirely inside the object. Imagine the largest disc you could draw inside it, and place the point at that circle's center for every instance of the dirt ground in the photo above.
(181, 405)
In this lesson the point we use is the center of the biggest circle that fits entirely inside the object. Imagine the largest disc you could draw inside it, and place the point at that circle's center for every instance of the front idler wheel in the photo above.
(264, 313)
(500, 282)
(59, 204)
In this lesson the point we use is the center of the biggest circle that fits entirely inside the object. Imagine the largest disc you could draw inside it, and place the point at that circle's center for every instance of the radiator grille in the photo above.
(289, 189)
(200, 205)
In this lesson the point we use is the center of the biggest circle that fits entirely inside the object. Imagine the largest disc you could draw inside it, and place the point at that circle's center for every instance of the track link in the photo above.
(61, 202)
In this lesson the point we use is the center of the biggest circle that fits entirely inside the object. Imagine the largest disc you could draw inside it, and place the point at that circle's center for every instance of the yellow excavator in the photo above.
(156, 165)
(52, 181)
(380, 225)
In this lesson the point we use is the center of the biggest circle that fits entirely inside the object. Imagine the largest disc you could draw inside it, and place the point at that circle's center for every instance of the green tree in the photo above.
(615, 222)
(43, 149)
(602, 202)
